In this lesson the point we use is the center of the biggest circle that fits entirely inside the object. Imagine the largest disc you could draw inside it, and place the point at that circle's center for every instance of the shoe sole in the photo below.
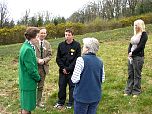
(125, 95)
(134, 96)
(58, 107)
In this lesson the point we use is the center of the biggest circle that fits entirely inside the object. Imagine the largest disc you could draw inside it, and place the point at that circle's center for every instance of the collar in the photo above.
(41, 41)
(30, 44)
(71, 42)
(28, 41)
(89, 53)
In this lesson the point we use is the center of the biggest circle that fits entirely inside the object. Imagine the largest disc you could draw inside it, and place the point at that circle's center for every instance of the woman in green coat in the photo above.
(28, 72)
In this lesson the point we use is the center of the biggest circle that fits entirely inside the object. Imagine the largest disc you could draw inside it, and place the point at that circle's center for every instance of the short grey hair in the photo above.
(92, 44)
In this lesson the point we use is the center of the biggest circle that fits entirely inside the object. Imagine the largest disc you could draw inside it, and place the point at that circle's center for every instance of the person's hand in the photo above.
(130, 54)
(40, 61)
(64, 71)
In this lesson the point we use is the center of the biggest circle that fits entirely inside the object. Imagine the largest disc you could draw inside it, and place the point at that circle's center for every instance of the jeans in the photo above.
(85, 108)
(134, 76)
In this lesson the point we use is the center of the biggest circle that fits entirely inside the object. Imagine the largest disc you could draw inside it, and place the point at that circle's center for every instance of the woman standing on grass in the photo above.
(28, 72)
(88, 75)
(136, 59)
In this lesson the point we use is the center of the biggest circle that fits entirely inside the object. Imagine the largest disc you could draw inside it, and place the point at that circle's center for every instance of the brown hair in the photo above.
(42, 28)
(69, 30)
(31, 32)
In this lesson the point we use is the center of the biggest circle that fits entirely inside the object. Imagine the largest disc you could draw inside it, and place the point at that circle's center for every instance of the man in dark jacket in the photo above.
(67, 53)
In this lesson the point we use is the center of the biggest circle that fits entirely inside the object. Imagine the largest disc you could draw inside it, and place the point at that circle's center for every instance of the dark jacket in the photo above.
(139, 51)
(88, 90)
(67, 55)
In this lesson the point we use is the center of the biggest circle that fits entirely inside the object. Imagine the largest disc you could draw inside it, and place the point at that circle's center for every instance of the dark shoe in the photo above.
(59, 106)
(68, 106)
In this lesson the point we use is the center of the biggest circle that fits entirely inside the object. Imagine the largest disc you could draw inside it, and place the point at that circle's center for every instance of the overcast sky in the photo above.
(64, 8)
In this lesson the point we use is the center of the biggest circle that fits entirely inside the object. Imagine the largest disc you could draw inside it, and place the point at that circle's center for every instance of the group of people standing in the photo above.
(80, 68)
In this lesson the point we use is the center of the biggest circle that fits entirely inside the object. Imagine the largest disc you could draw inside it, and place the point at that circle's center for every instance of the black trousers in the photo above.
(63, 81)
(134, 76)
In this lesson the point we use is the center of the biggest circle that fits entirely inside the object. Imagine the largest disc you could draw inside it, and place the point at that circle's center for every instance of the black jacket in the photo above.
(67, 55)
(139, 51)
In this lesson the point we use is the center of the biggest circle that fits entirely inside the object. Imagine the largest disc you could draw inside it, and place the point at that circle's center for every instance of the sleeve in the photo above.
(141, 44)
(103, 74)
(77, 70)
(58, 58)
(30, 65)
(78, 54)
(129, 48)
(49, 54)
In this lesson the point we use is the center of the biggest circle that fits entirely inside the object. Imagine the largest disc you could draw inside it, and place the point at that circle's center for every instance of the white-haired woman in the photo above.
(136, 59)
(88, 75)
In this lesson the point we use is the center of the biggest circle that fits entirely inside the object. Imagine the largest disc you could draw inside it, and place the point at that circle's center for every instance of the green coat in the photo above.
(28, 77)
(28, 69)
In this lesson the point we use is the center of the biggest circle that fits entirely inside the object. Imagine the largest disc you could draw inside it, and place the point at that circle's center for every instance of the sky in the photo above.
(65, 8)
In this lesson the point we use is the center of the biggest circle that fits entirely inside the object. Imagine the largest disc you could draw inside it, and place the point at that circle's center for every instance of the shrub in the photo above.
(60, 29)
(77, 27)
(12, 35)
(51, 30)
(97, 25)
(16, 34)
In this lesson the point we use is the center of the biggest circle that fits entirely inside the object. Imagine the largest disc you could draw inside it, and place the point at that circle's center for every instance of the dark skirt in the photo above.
(28, 100)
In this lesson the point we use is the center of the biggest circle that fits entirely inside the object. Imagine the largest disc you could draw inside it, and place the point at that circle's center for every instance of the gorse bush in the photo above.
(129, 20)
(78, 28)
(12, 35)
(16, 34)
(97, 25)
(101, 25)
(51, 30)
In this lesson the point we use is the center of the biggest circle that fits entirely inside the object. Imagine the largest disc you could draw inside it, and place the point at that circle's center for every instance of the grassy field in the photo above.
(113, 51)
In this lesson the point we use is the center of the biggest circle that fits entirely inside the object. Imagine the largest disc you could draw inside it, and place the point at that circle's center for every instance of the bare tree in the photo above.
(40, 19)
(124, 8)
(132, 5)
(47, 17)
(26, 17)
(109, 9)
(144, 6)
(3, 14)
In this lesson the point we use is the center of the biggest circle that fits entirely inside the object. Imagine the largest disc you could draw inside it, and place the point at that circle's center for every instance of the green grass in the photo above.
(113, 51)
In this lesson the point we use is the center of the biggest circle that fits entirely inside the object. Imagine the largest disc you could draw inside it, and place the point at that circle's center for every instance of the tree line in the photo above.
(111, 9)
(103, 9)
